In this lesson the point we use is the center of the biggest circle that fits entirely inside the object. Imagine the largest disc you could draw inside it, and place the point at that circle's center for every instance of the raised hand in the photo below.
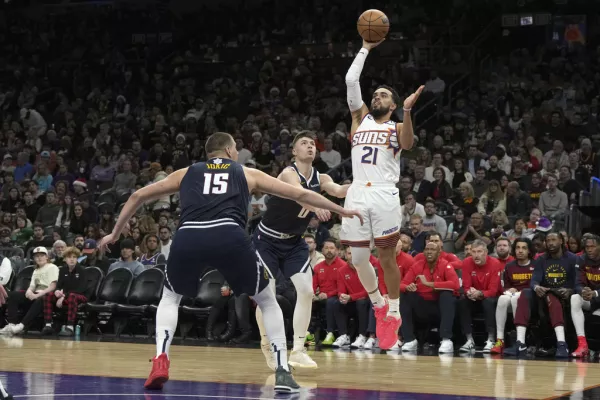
(371, 45)
(412, 99)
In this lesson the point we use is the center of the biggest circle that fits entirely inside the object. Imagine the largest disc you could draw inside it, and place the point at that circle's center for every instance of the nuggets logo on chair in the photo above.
(556, 275)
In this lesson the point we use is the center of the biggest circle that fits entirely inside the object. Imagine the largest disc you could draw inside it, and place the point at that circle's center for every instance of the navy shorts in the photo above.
(227, 248)
(290, 256)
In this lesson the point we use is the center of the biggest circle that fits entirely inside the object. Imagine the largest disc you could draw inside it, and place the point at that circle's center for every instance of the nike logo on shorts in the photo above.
(395, 193)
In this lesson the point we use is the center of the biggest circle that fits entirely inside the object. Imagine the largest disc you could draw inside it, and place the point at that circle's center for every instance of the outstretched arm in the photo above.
(332, 188)
(355, 102)
(260, 181)
(167, 186)
(407, 135)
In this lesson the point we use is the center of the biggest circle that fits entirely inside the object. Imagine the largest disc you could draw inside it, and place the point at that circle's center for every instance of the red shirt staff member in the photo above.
(3, 394)
(325, 284)
(586, 289)
(450, 258)
(428, 294)
(481, 279)
(517, 276)
(353, 300)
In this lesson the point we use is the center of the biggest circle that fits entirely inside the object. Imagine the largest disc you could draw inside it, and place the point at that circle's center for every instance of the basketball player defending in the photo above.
(214, 198)
(376, 145)
(280, 244)
(3, 297)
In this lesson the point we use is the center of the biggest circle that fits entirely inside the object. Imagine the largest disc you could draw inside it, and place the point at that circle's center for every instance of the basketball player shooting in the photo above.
(376, 145)
(3, 297)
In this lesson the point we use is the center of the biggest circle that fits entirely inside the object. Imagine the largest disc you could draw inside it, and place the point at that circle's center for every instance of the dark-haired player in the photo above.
(214, 198)
(586, 291)
(552, 282)
(517, 276)
(280, 245)
(376, 145)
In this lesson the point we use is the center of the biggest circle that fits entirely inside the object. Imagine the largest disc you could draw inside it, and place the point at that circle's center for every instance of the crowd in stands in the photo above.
(493, 172)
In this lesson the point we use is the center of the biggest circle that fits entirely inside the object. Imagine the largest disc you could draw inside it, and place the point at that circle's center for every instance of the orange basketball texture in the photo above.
(373, 25)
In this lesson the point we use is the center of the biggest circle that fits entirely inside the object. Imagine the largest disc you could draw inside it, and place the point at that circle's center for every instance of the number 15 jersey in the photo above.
(376, 152)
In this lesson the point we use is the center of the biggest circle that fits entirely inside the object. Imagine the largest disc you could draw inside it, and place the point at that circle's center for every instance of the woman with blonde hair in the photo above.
(500, 223)
(493, 199)
(466, 199)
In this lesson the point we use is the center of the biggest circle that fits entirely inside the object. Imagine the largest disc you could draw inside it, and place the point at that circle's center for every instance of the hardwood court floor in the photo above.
(57, 369)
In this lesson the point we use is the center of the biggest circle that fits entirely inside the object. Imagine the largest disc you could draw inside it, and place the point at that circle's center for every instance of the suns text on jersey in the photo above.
(371, 137)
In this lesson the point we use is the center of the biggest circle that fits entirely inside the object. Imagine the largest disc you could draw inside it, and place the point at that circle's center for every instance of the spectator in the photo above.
(405, 242)
(353, 299)
(38, 239)
(492, 200)
(225, 305)
(418, 233)
(586, 291)
(440, 189)
(494, 173)
(432, 221)
(553, 279)
(458, 225)
(437, 163)
(553, 202)
(518, 202)
(481, 283)
(427, 292)
(58, 249)
(31, 207)
(421, 186)
(71, 291)
(459, 175)
(48, 213)
(475, 230)
(480, 184)
(151, 255)
(127, 260)
(410, 208)
(558, 154)
(315, 256)
(319, 231)
(91, 256)
(43, 282)
(569, 185)
(164, 234)
(125, 180)
(466, 199)
(332, 157)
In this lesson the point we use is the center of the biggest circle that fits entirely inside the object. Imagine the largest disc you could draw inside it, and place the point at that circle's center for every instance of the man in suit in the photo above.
(421, 186)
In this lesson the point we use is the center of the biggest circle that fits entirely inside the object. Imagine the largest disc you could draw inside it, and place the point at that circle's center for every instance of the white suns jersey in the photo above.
(376, 152)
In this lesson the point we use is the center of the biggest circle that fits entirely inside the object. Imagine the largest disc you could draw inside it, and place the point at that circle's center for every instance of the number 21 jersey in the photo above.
(376, 152)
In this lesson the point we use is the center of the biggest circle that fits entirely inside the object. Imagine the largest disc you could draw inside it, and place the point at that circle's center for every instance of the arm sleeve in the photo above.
(466, 275)
(354, 96)
(407, 279)
(492, 289)
(538, 272)
(450, 280)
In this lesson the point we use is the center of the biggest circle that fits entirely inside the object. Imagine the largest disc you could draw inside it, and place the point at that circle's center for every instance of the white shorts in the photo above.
(379, 205)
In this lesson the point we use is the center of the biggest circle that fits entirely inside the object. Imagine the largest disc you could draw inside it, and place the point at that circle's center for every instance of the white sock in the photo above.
(71, 327)
(367, 276)
(49, 324)
(577, 314)
(521, 331)
(491, 337)
(560, 333)
(273, 323)
(166, 320)
(303, 309)
(264, 339)
(394, 309)
(2, 391)
(469, 337)
(501, 311)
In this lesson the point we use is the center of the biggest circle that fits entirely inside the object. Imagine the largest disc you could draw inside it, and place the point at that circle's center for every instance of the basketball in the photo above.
(373, 25)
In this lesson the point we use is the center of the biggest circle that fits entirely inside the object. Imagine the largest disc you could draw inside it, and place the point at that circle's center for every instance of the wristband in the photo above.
(407, 109)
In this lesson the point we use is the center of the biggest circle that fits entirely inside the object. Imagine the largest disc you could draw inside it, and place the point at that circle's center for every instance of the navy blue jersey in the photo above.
(213, 190)
(287, 216)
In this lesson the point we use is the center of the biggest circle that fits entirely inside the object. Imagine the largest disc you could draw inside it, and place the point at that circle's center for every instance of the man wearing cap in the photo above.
(91, 257)
(43, 281)
(127, 260)
(70, 292)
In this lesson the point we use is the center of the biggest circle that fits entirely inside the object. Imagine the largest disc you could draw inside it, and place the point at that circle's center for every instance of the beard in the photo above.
(379, 112)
